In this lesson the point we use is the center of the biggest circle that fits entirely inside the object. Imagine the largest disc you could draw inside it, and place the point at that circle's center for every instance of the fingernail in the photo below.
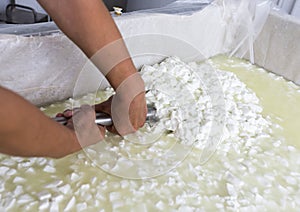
(59, 115)
(68, 113)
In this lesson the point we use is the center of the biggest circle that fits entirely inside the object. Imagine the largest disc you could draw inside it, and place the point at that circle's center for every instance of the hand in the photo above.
(82, 121)
(137, 111)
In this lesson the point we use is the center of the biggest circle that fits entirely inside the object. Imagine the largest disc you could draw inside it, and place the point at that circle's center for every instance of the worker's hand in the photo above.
(82, 121)
(137, 112)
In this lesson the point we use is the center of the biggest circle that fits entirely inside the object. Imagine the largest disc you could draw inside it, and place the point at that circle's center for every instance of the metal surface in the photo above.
(105, 120)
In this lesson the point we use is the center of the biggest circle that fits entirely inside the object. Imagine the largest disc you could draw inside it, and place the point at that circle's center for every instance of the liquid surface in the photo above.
(279, 98)
(256, 167)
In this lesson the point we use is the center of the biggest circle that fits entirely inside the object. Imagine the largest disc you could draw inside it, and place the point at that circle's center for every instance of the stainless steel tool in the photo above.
(105, 120)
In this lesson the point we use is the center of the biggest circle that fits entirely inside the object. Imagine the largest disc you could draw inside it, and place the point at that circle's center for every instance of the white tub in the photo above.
(45, 69)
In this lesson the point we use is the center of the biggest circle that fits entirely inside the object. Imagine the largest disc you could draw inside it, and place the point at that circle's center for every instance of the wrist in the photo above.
(74, 144)
(120, 73)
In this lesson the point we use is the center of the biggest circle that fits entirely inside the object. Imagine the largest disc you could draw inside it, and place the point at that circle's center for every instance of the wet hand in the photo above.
(137, 112)
(82, 121)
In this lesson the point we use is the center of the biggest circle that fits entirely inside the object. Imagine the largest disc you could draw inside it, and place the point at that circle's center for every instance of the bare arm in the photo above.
(26, 131)
(90, 26)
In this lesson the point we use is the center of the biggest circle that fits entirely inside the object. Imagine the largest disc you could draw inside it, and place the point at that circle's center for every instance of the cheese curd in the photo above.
(165, 165)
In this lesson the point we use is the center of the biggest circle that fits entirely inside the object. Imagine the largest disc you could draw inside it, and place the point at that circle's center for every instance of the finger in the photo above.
(112, 129)
(84, 107)
(70, 124)
(85, 112)
(68, 113)
(104, 107)
(126, 93)
(86, 130)
(138, 119)
(59, 115)
(102, 130)
(78, 109)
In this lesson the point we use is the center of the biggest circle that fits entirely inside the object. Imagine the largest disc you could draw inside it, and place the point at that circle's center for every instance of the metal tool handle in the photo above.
(105, 120)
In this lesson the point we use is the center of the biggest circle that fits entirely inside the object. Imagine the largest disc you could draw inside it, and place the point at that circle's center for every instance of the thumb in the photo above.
(104, 107)
(86, 129)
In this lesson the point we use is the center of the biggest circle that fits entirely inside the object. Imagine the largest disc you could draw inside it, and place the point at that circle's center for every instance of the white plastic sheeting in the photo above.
(45, 69)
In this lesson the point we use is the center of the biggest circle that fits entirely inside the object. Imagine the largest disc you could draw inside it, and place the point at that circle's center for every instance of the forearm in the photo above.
(88, 24)
(26, 131)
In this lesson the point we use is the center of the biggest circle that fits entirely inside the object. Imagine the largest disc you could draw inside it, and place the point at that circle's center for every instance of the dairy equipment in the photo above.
(105, 120)
(279, 32)
(250, 171)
